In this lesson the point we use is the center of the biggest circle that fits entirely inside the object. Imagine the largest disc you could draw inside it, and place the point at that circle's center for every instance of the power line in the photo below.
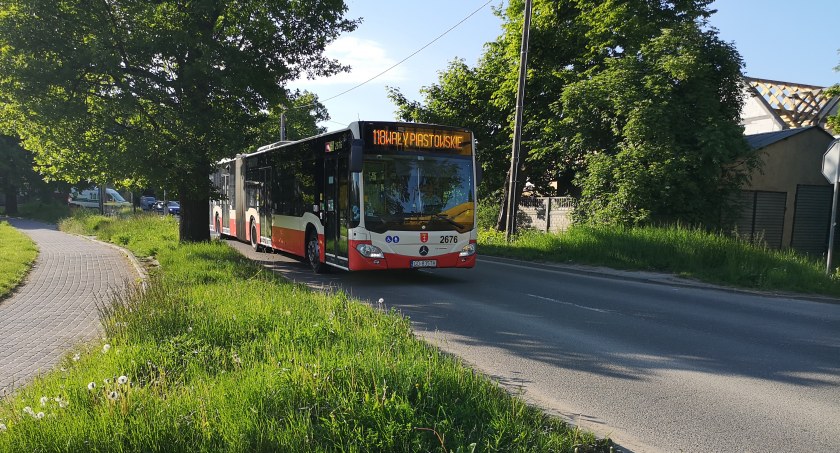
(404, 59)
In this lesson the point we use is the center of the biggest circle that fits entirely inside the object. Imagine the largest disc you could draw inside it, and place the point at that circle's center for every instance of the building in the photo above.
(772, 106)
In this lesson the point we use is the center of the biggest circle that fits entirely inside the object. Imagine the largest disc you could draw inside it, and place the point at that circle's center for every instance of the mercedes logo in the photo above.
(424, 250)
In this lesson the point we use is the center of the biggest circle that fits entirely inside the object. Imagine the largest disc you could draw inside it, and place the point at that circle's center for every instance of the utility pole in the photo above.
(510, 225)
(283, 125)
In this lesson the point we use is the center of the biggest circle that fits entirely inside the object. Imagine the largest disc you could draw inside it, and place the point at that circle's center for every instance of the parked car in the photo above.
(146, 203)
(89, 198)
(173, 208)
(167, 207)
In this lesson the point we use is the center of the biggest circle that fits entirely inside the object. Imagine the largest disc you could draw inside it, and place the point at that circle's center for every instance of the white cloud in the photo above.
(366, 58)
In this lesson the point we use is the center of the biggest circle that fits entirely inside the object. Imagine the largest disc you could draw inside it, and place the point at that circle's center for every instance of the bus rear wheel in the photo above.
(255, 241)
(313, 254)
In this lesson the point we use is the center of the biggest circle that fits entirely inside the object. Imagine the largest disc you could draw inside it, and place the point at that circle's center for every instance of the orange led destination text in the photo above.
(383, 137)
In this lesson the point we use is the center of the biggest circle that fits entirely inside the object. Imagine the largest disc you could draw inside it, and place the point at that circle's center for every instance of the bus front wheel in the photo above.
(313, 253)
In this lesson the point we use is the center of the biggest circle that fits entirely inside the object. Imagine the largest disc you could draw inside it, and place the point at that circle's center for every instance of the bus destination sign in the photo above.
(417, 138)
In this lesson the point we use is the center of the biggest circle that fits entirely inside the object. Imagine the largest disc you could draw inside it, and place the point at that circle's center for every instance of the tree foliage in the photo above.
(631, 105)
(155, 92)
(834, 121)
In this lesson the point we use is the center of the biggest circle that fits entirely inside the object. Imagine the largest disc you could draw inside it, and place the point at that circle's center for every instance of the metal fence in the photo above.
(548, 214)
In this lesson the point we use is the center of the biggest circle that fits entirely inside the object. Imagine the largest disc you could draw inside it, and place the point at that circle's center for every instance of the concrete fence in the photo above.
(548, 214)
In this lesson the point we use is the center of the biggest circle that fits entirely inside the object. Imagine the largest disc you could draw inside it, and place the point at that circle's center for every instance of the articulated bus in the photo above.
(377, 195)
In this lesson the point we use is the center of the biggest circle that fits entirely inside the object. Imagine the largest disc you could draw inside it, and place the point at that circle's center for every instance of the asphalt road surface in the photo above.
(657, 365)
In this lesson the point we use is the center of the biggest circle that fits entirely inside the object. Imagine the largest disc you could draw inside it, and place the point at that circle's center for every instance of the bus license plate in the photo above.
(424, 263)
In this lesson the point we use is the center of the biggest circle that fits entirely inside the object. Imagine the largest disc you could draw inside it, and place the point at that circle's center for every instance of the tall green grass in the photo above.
(50, 212)
(17, 255)
(688, 252)
(219, 354)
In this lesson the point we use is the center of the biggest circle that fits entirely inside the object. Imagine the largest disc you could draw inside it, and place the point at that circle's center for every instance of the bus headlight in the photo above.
(370, 251)
(468, 250)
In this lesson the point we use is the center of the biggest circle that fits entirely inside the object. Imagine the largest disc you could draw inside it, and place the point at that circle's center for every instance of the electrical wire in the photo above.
(401, 61)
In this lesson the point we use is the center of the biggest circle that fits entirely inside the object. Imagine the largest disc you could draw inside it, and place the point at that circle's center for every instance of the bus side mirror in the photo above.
(356, 156)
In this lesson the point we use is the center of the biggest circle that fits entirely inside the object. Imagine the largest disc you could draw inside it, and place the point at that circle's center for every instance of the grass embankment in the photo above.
(45, 212)
(687, 252)
(221, 355)
(17, 254)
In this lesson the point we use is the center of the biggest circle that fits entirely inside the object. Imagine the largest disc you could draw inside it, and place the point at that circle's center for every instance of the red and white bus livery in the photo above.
(377, 195)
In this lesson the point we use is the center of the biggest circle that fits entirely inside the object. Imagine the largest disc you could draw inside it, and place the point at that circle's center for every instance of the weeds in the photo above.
(216, 355)
(687, 252)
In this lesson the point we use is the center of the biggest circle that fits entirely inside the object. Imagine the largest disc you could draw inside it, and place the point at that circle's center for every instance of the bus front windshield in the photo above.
(418, 192)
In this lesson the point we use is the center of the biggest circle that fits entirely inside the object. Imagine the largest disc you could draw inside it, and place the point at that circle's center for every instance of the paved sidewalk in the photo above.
(55, 308)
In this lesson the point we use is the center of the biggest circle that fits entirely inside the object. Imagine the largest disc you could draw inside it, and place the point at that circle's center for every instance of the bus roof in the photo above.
(355, 128)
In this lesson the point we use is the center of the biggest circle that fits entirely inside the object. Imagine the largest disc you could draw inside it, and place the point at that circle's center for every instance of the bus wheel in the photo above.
(255, 242)
(313, 254)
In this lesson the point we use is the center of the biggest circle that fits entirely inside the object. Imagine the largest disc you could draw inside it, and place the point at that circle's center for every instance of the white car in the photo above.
(89, 198)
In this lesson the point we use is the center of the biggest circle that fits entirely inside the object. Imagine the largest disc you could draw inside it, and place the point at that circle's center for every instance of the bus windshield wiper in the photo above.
(447, 219)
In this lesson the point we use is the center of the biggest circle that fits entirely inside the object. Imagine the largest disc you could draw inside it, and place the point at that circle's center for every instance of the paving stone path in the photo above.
(55, 308)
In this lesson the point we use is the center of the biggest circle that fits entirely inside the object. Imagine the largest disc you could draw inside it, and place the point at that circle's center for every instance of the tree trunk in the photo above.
(11, 199)
(195, 215)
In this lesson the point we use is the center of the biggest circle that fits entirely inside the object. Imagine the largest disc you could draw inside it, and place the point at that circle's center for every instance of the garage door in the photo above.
(762, 218)
(812, 215)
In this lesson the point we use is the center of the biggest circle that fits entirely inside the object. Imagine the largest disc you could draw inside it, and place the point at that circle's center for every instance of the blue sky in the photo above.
(777, 40)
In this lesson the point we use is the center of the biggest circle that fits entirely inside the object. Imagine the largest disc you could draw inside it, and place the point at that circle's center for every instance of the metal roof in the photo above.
(758, 141)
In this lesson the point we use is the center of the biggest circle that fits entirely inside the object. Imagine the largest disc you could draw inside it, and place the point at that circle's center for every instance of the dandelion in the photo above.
(105, 348)
(61, 403)
(122, 380)
(189, 329)
(77, 357)
(39, 415)
(44, 401)
(113, 396)
(381, 301)
(92, 386)
(236, 359)
(28, 410)
(3, 427)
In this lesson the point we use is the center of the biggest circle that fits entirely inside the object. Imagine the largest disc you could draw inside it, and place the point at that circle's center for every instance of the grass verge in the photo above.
(17, 254)
(45, 212)
(687, 252)
(221, 355)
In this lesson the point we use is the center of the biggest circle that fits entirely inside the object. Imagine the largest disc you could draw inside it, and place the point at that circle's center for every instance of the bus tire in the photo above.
(313, 253)
(255, 241)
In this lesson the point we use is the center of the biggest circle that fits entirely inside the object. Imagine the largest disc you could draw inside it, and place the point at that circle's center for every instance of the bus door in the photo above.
(265, 208)
(335, 219)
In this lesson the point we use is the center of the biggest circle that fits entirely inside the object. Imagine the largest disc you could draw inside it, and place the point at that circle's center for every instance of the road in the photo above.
(657, 366)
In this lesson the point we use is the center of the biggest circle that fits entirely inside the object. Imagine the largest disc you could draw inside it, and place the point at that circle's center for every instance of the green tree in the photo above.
(834, 121)
(660, 132)
(15, 166)
(604, 75)
(303, 113)
(156, 91)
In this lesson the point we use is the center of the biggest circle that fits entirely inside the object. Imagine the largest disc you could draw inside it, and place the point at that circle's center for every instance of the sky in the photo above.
(777, 41)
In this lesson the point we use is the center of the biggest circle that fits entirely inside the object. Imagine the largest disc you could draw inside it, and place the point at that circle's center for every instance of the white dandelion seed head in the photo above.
(113, 396)
(76, 357)
(28, 410)
(3, 427)
(106, 381)
(381, 300)
(39, 415)
(92, 386)
(44, 400)
(122, 380)
(189, 329)
(106, 347)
